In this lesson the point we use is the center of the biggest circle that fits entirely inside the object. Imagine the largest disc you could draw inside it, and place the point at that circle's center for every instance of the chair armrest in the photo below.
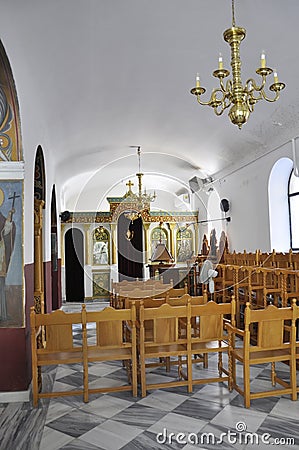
(231, 329)
(226, 321)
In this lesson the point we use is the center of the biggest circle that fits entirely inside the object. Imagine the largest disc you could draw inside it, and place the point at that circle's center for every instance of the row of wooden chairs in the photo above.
(277, 260)
(177, 332)
(288, 259)
(272, 324)
(257, 285)
(158, 290)
(125, 285)
(52, 343)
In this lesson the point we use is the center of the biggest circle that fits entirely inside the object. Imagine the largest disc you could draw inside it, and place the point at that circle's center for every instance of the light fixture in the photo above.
(141, 201)
(233, 94)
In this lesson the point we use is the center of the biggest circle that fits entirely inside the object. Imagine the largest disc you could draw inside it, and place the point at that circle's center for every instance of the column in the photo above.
(113, 243)
(196, 241)
(147, 245)
(172, 227)
(38, 257)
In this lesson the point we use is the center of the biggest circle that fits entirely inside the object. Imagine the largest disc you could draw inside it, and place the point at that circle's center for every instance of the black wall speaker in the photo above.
(65, 215)
(224, 205)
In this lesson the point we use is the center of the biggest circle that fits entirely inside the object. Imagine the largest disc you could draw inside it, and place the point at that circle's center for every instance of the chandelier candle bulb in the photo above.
(263, 60)
(275, 76)
(197, 81)
(220, 62)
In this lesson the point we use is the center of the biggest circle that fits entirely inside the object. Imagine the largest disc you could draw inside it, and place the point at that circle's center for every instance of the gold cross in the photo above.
(130, 184)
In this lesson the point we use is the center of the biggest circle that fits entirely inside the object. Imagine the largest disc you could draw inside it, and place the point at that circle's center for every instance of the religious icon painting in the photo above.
(11, 254)
(101, 283)
(100, 251)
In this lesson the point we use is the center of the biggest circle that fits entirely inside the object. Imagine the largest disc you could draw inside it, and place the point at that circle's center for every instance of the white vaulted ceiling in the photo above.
(97, 76)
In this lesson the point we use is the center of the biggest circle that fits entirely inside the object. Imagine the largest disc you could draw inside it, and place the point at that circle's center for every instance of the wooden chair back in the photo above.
(164, 342)
(148, 292)
(165, 323)
(184, 299)
(58, 330)
(212, 318)
(115, 341)
(136, 292)
(52, 343)
(110, 324)
(156, 284)
(271, 326)
(178, 292)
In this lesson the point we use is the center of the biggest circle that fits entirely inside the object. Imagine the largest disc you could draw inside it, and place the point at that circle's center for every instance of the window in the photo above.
(279, 216)
(293, 195)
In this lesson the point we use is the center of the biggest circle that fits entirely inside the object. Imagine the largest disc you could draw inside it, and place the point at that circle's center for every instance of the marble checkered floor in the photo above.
(119, 421)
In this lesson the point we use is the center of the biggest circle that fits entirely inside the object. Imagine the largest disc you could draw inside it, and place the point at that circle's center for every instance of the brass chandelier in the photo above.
(141, 201)
(233, 94)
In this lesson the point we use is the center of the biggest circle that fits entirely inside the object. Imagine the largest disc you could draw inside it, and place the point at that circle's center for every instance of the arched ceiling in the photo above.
(97, 76)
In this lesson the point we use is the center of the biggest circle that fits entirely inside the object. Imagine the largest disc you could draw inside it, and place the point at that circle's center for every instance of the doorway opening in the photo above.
(74, 265)
(130, 248)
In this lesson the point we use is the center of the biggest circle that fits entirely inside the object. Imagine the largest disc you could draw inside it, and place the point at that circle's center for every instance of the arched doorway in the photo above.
(130, 248)
(74, 265)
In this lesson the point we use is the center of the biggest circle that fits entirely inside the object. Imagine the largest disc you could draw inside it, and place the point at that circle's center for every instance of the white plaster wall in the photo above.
(247, 191)
(34, 132)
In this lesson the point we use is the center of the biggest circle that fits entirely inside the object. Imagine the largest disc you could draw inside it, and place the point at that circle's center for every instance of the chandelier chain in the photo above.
(233, 14)
(139, 201)
(139, 163)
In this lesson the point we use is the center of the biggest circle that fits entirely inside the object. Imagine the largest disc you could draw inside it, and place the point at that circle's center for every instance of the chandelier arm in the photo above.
(255, 87)
(203, 103)
(268, 99)
(223, 94)
(222, 87)
(250, 104)
(250, 95)
(219, 112)
(228, 86)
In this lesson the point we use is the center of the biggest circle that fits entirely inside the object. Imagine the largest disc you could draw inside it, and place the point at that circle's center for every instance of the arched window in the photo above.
(100, 246)
(293, 196)
(279, 216)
